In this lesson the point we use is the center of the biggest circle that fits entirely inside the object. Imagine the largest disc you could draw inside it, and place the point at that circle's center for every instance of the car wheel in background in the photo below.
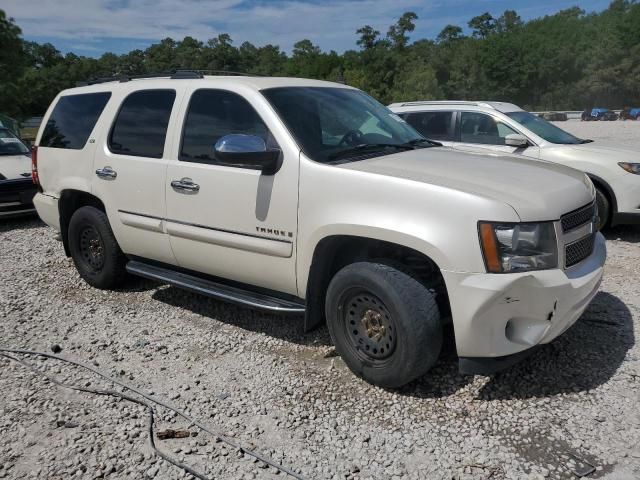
(94, 249)
(384, 323)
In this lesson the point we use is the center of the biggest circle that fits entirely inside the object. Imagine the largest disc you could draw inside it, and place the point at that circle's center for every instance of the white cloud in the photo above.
(331, 24)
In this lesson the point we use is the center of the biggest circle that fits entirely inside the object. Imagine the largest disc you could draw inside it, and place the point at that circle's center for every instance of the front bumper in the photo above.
(16, 197)
(498, 315)
(626, 188)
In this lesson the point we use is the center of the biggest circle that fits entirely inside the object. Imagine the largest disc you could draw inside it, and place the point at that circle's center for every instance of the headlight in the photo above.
(518, 247)
(631, 167)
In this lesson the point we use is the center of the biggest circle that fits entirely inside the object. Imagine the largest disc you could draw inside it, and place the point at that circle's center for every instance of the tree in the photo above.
(397, 33)
(508, 21)
(368, 37)
(13, 60)
(482, 25)
(449, 33)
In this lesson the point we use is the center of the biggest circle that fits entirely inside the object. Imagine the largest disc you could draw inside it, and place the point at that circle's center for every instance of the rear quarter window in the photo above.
(73, 119)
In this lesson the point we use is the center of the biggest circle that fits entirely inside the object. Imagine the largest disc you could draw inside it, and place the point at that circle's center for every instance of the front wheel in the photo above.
(604, 209)
(94, 249)
(384, 323)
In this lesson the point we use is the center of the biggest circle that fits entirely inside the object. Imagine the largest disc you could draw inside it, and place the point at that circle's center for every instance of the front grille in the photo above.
(578, 217)
(577, 251)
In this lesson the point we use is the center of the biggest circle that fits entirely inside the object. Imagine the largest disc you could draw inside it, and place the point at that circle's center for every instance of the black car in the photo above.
(16, 187)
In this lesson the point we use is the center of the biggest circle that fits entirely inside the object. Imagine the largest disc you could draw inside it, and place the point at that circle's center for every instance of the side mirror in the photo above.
(247, 151)
(516, 140)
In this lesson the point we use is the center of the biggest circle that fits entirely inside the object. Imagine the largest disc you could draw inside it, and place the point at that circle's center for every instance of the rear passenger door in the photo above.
(237, 224)
(439, 126)
(130, 169)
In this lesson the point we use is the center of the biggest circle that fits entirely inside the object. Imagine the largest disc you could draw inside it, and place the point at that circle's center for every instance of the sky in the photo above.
(93, 27)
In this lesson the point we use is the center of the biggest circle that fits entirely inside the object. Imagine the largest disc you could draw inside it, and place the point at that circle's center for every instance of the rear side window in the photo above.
(140, 128)
(433, 125)
(73, 119)
(213, 114)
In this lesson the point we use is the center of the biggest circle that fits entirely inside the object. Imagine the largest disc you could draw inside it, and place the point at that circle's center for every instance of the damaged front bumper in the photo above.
(498, 318)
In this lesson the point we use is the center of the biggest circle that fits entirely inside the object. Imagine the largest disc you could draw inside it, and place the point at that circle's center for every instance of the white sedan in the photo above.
(504, 127)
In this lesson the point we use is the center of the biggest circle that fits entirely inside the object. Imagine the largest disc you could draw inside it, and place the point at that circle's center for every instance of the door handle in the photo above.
(185, 185)
(106, 172)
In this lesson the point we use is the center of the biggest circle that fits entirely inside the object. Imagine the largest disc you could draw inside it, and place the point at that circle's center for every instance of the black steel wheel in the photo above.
(384, 323)
(369, 325)
(91, 248)
(94, 248)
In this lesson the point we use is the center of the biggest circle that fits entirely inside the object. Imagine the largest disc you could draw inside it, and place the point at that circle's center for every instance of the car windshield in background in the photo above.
(10, 144)
(544, 129)
(332, 124)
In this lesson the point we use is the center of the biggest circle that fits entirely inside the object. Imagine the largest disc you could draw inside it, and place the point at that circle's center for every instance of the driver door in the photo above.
(230, 222)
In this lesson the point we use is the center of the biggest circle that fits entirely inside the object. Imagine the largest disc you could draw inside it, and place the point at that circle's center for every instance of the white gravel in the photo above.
(261, 380)
(620, 133)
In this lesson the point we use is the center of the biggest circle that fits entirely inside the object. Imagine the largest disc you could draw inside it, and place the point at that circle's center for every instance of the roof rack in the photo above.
(173, 74)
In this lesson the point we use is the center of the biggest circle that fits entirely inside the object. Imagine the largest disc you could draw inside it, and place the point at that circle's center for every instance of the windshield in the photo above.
(10, 144)
(332, 124)
(544, 129)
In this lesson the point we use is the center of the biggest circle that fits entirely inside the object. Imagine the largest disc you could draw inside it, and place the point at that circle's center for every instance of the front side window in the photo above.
(212, 114)
(483, 129)
(332, 124)
(544, 129)
(140, 128)
(433, 125)
(73, 119)
(10, 144)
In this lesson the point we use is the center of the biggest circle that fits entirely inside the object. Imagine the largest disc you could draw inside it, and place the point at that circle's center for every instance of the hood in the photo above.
(536, 190)
(13, 166)
(607, 151)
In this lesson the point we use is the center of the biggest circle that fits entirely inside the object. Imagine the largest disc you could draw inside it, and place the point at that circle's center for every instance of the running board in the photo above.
(227, 293)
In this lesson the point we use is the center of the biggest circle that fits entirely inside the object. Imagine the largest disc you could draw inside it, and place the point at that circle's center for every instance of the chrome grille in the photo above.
(578, 217)
(577, 251)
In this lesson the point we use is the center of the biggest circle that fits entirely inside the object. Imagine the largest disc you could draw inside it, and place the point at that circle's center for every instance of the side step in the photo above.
(220, 291)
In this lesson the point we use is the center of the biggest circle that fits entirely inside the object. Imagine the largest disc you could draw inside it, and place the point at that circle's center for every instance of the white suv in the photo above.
(308, 197)
(504, 127)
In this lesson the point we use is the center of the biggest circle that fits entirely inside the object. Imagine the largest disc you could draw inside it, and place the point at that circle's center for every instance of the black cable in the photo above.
(219, 437)
(114, 393)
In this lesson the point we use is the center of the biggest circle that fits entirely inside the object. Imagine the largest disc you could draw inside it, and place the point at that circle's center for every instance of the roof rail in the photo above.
(180, 74)
(487, 104)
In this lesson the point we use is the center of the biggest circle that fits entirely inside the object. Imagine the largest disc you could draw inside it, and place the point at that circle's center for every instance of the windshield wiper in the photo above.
(365, 147)
(418, 141)
(586, 140)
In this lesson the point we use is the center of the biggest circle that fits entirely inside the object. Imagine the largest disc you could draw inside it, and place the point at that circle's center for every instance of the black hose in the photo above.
(221, 438)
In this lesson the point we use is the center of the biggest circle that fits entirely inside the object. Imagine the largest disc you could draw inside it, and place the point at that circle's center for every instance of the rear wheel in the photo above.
(385, 324)
(94, 249)
(604, 208)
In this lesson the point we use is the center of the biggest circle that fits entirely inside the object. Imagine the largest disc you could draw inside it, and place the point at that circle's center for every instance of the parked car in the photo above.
(630, 114)
(603, 114)
(555, 116)
(16, 187)
(302, 196)
(504, 127)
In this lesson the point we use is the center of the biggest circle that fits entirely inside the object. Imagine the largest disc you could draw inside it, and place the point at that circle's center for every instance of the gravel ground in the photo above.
(261, 380)
(617, 133)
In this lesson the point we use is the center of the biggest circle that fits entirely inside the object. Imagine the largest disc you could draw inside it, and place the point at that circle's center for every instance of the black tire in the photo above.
(94, 249)
(604, 209)
(385, 325)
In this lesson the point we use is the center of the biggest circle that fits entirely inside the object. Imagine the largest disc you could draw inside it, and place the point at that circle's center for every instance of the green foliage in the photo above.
(570, 60)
